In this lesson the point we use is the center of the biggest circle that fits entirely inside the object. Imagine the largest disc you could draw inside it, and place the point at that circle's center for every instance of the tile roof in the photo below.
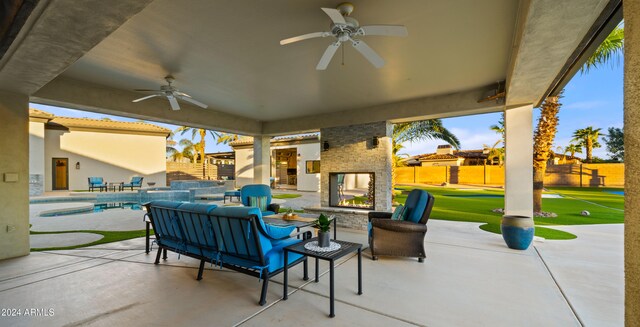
(467, 154)
(107, 125)
(288, 138)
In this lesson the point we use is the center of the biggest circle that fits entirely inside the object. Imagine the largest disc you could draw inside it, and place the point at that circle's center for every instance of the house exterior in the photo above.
(445, 155)
(224, 162)
(295, 162)
(65, 151)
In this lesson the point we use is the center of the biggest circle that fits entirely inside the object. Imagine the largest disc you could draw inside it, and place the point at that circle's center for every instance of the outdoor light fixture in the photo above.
(325, 146)
(375, 142)
(78, 165)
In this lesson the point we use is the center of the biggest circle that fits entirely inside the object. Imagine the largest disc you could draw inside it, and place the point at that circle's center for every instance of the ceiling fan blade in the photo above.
(145, 98)
(368, 53)
(335, 15)
(145, 90)
(386, 30)
(188, 98)
(304, 37)
(328, 54)
(173, 102)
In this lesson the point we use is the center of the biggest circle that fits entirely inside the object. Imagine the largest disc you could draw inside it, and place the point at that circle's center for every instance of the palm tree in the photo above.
(542, 143)
(587, 138)
(572, 149)
(494, 153)
(225, 138)
(431, 129)
(189, 149)
(613, 45)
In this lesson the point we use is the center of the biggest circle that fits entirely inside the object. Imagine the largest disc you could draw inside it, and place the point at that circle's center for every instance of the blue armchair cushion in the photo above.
(254, 190)
(96, 181)
(259, 202)
(415, 205)
(397, 214)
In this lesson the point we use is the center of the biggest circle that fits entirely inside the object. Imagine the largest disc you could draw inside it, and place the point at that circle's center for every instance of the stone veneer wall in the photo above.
(348, 218)
(351, 151)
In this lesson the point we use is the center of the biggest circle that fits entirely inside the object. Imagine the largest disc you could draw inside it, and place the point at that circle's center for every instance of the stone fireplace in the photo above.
(357, 149)
(352, 190)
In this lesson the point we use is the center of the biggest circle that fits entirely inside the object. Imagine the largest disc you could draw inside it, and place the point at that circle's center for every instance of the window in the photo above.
(313, 166)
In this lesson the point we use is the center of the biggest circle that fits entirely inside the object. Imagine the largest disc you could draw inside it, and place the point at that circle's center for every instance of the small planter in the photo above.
(517, 231)
(324, 239)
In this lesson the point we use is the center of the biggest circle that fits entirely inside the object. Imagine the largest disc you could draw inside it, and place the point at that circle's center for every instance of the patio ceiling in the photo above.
(226, 54)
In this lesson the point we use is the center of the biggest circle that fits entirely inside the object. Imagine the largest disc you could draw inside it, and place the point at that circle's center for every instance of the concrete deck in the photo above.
(470, 278)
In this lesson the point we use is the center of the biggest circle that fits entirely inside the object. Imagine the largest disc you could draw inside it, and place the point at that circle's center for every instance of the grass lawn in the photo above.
(109, 236)
(285, 196)
(457, 205)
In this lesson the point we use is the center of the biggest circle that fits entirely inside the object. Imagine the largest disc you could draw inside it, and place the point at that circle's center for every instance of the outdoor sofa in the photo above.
(232, 237)
(404, 236)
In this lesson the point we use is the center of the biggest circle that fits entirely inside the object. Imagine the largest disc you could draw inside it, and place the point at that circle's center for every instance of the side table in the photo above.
(346, 248)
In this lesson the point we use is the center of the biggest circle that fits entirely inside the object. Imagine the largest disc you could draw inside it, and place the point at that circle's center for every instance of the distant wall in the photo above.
(585, 175)
(178, 171)
(112, 156)
(36, 158)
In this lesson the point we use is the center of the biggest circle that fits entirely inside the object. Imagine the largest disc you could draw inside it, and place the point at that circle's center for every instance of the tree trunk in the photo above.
(543, 141)
(589, 149)
(203, 134)
(538, 186)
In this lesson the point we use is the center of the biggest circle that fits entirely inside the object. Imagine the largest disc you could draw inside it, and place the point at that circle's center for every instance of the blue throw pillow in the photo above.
(259, 202)
(397, 214)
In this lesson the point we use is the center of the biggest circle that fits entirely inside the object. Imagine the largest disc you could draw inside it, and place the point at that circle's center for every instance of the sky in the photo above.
(590, 99)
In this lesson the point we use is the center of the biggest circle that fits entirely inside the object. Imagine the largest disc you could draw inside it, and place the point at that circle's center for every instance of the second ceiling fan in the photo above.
(345, 29)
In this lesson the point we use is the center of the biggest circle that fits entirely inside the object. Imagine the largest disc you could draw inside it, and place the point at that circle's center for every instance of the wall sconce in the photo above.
(375, 142)
(299, 155)
(78, 165)
(325, 146)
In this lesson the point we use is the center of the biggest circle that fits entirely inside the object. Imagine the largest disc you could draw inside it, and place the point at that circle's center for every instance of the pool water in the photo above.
(100, 207)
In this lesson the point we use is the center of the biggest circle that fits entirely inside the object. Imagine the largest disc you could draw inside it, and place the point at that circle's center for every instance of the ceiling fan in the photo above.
(345, 28)
(172, 94)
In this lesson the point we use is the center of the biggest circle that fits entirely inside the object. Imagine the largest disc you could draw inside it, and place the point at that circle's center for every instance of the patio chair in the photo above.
(403, 237)
(259, 195)
(135, 182)
(97, 182)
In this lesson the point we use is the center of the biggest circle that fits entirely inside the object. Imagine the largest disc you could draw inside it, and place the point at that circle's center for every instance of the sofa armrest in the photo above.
(379, 214)
(399, 226)
(273, 207)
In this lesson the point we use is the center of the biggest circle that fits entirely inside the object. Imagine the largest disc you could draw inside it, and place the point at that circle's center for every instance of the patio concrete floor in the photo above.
(470, 278)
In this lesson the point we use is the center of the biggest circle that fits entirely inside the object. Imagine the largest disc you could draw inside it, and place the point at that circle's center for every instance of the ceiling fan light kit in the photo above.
(172, 94)
(345, 29)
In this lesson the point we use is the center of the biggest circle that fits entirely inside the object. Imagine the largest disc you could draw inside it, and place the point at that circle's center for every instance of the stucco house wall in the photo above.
(116, 157)
(36, 158)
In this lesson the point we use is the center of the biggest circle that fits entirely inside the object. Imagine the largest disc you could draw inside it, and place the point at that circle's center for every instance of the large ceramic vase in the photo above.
(517, 231)
(324, 239)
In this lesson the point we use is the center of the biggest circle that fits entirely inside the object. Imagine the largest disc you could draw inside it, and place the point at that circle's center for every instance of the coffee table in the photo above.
(113, 186)
(346, 248)
(302, 220)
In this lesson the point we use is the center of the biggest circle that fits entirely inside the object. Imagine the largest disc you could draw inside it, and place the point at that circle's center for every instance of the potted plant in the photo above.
(288, 214)
(323, 224)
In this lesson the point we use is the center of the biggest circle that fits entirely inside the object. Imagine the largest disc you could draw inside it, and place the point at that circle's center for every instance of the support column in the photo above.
(518, 193)
(631, 161)
(14, 175)
(261, 159)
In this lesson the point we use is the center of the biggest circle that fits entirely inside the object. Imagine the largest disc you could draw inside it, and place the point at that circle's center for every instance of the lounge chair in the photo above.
(97, 182)
(260, 194)
(135, 182)
(403, 237)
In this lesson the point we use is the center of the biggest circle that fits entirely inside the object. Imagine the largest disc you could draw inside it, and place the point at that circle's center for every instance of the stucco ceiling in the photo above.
(227, 55)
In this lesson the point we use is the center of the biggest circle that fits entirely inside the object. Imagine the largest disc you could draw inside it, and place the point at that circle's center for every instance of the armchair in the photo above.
(97, 182)
(136, 181)
(404, 238)
(259, 190)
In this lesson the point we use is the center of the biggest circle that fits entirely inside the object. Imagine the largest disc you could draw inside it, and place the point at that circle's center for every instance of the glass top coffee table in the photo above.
(301, 220)
(345, 249)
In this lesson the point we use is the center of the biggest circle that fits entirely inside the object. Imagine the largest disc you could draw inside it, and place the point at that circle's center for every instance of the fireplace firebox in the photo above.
(352, 190)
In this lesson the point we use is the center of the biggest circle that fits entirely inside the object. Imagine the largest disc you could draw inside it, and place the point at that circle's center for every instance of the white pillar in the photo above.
(14, 175)
(518, 193)
(261, 159)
